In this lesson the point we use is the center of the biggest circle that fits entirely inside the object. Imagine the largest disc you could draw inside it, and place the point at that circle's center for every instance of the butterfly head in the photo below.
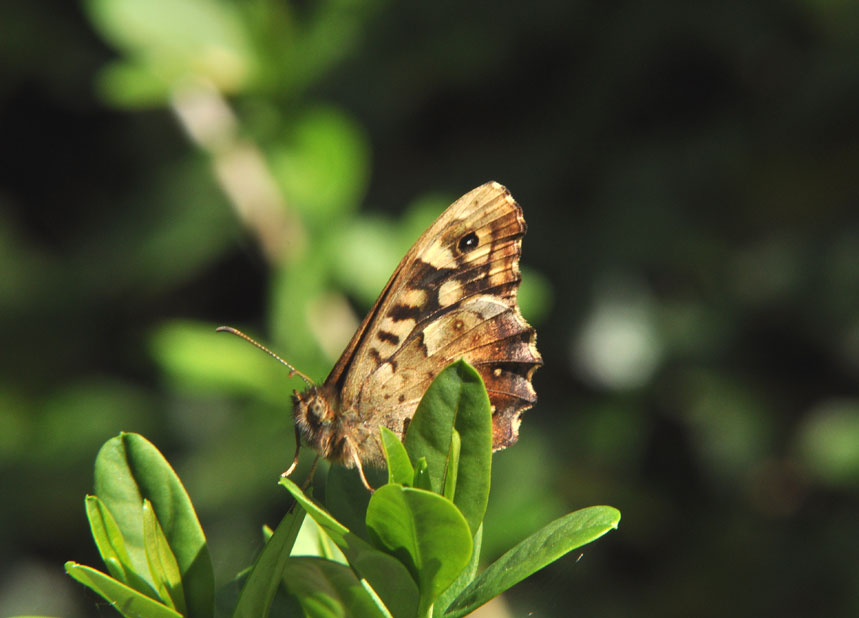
(312, 408)
(317, 421)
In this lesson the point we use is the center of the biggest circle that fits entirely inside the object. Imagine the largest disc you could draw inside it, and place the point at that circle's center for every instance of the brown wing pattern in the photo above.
(453, 296)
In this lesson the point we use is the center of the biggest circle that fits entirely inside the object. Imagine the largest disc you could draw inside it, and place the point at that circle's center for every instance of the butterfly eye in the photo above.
(468, 243)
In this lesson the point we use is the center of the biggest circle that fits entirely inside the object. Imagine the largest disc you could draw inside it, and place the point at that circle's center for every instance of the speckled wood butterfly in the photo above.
(452, 296)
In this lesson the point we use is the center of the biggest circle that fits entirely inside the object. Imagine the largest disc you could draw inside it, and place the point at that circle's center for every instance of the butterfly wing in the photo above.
(453, 296)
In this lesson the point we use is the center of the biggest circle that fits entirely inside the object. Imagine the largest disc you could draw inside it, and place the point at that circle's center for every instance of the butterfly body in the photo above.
(452, 296)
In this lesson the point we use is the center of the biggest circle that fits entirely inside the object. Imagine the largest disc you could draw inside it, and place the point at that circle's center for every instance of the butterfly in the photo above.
(453, 296)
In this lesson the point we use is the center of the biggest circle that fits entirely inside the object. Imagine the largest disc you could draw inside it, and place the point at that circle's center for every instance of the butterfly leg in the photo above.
(294, 465)
(358, 465)
(310, 474)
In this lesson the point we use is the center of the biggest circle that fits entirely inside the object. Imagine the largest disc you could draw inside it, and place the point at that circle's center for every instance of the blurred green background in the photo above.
(689, 176)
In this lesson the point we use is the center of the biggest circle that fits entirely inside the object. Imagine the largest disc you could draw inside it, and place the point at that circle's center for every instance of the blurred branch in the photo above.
(241, 170)
(245, 177)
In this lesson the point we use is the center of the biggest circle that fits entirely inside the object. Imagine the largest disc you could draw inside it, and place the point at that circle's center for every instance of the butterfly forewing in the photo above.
(453, 296)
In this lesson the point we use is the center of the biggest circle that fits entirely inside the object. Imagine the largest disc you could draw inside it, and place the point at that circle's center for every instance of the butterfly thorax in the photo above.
(336, 434)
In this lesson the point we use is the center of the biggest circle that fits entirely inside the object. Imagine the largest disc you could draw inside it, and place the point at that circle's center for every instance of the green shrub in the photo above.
(411, 548)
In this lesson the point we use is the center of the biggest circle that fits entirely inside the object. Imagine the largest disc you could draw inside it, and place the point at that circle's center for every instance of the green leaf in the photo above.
(162, 562)
(128, 469)
(195, 358)
(541, 548)
(265, 576)
(366, 249)
(400, 469)
(313, 541)
(299, 290)
(827, 441)
(322, 165)
(429, 433)
(452, 466)
(388, 577)
(463, 579)
(457, 400)
(422, 476)
(425, 531)
(127, 601)
(179, 41)
(376, 599)
(131, 85)
(328, 589)
(108, 539)
(346, 498)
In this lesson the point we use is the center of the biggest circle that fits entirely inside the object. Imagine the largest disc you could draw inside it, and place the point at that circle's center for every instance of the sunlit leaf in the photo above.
(400, 469)
(327, 589)
(425, 531)
(128, 469)
(262, 582)
(455, 401)
(463, 579)
(175, 40)
(127, 601)
(450, 478)
(162, 563)
(829, 442)
(108, 539)
(323, 164)
(541, 548)
(388, 577)
(196, 358)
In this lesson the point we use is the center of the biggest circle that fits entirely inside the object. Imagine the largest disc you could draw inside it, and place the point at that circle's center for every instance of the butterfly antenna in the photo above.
(292, 370)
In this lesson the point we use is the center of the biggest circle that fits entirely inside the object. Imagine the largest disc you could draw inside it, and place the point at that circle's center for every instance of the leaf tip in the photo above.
(616, 517)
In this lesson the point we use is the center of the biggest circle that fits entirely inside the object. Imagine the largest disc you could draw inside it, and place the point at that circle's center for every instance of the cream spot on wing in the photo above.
(438, 255)
(400, 328)
(413, 297)
(485, 306)
(384, 372)
(449, 292)
(440, 333)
